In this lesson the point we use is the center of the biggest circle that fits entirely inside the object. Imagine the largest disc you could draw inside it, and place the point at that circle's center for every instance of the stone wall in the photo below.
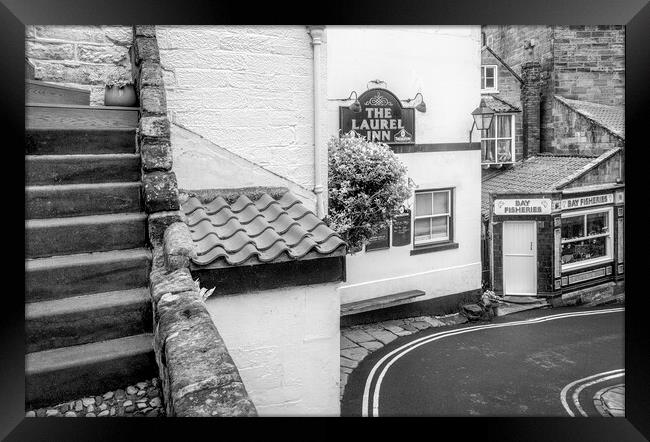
(159, 185)
(246, 89)
(608, 171)
(79, 56)
(590, 63)
(578, 135)
(507, 41)
(199, 378)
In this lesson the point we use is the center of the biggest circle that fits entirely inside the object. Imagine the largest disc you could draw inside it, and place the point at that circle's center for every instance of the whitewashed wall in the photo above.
(383, 272)
(285, 344)
(201, 164)
(442, 63)
(247, 89)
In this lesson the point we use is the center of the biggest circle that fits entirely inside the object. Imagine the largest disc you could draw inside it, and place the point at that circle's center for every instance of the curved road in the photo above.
(537, 363)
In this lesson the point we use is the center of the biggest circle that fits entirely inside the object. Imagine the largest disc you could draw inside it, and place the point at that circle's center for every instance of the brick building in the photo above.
(580, 63)
(553, 160)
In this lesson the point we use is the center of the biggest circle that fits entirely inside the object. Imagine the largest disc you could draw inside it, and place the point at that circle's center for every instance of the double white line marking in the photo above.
(584, 383)
(389, 359)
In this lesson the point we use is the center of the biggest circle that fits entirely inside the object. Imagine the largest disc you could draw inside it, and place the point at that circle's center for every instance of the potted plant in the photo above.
(119, 90)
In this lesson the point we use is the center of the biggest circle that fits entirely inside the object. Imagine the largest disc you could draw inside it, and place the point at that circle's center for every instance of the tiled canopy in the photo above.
(257, 231)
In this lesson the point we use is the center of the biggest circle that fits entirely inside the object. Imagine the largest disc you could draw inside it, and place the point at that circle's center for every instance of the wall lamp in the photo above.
(422, 106)
(355, 106)
(482, 118)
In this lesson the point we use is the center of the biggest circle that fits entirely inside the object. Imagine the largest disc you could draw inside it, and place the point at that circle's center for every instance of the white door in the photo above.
(520, 258)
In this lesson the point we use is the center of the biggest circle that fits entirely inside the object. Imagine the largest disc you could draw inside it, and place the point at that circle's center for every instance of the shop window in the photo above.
(586, 238)
(433, 217)
(488, 78)
(497, 143)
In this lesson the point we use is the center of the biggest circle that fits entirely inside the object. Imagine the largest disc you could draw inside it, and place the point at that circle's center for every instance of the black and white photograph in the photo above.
(293, 220)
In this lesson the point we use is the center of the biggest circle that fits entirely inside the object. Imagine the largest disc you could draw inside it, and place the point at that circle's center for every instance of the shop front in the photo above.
(560, 243)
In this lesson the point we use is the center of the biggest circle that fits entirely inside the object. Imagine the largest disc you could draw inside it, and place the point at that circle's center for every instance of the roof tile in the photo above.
(611, 118)
(498, 104)
(262, 230)
(533, 175)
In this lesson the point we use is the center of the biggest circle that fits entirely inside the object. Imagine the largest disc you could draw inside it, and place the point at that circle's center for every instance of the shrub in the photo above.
(367, 187)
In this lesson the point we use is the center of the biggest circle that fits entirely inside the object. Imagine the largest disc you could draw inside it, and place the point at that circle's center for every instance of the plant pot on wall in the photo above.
(120, 95)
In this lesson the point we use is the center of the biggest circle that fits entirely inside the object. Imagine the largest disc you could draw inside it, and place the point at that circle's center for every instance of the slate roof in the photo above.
(611, 118)
(260, 230)
(542, 173)
(498, 104)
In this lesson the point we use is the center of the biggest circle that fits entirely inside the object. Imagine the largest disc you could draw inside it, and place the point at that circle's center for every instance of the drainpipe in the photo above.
(316, 33)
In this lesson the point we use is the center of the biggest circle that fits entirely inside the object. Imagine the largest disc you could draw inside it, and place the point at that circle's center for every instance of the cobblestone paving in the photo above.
(358, 341)
(141, 399)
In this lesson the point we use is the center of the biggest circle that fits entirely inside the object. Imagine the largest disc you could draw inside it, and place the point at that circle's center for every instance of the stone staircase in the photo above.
(87, 306)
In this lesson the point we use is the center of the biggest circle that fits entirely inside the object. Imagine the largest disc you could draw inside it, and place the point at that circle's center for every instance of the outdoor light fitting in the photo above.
(421, 107)
(483, 116)
(356, 106)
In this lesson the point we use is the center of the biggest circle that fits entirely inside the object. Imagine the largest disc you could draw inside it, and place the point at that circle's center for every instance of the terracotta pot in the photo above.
(120, 96)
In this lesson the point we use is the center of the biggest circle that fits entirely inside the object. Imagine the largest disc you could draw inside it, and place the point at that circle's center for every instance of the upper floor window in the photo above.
(498, 142)
(488, 78)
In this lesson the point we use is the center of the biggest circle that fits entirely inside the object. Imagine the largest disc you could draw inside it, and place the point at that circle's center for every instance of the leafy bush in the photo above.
(367, 187)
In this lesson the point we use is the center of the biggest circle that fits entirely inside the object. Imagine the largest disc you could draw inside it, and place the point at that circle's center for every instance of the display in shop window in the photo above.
(585, 237)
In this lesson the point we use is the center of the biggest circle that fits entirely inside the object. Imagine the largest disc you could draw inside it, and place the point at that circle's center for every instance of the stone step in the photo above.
(59, 141)
(68, 373)
(86, 273)
(88, 318)
(95, 233)
(76, 169)
(77, 116)
(40, 92)
(81, 199)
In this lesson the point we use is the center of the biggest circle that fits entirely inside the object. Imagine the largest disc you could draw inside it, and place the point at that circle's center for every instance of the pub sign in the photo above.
(382, 118)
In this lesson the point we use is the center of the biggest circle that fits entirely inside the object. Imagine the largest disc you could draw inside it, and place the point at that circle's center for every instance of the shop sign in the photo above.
(522, 206)
(587, 201)
(402, 229)
(382, 118)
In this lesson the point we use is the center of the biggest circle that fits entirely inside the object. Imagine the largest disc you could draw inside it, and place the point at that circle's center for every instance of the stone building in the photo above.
(581, 67)
(556, 194)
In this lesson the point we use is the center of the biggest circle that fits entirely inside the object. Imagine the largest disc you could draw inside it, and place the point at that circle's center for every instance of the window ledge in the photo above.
(429, 248)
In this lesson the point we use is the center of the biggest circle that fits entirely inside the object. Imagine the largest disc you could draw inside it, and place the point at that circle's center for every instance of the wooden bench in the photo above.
(366, 305)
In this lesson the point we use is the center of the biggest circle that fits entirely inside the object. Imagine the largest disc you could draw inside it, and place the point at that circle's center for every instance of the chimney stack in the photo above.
(531, 101)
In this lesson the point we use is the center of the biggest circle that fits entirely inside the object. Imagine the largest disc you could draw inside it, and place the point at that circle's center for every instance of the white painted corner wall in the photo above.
(285, 343)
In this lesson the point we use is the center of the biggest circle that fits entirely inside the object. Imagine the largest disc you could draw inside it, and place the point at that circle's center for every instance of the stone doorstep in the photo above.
(509, 308)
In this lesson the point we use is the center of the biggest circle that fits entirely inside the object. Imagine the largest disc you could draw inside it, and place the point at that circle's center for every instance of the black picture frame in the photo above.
(635, 14)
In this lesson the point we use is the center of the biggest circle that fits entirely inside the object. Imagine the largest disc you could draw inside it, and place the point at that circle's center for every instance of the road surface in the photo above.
(550, 362)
